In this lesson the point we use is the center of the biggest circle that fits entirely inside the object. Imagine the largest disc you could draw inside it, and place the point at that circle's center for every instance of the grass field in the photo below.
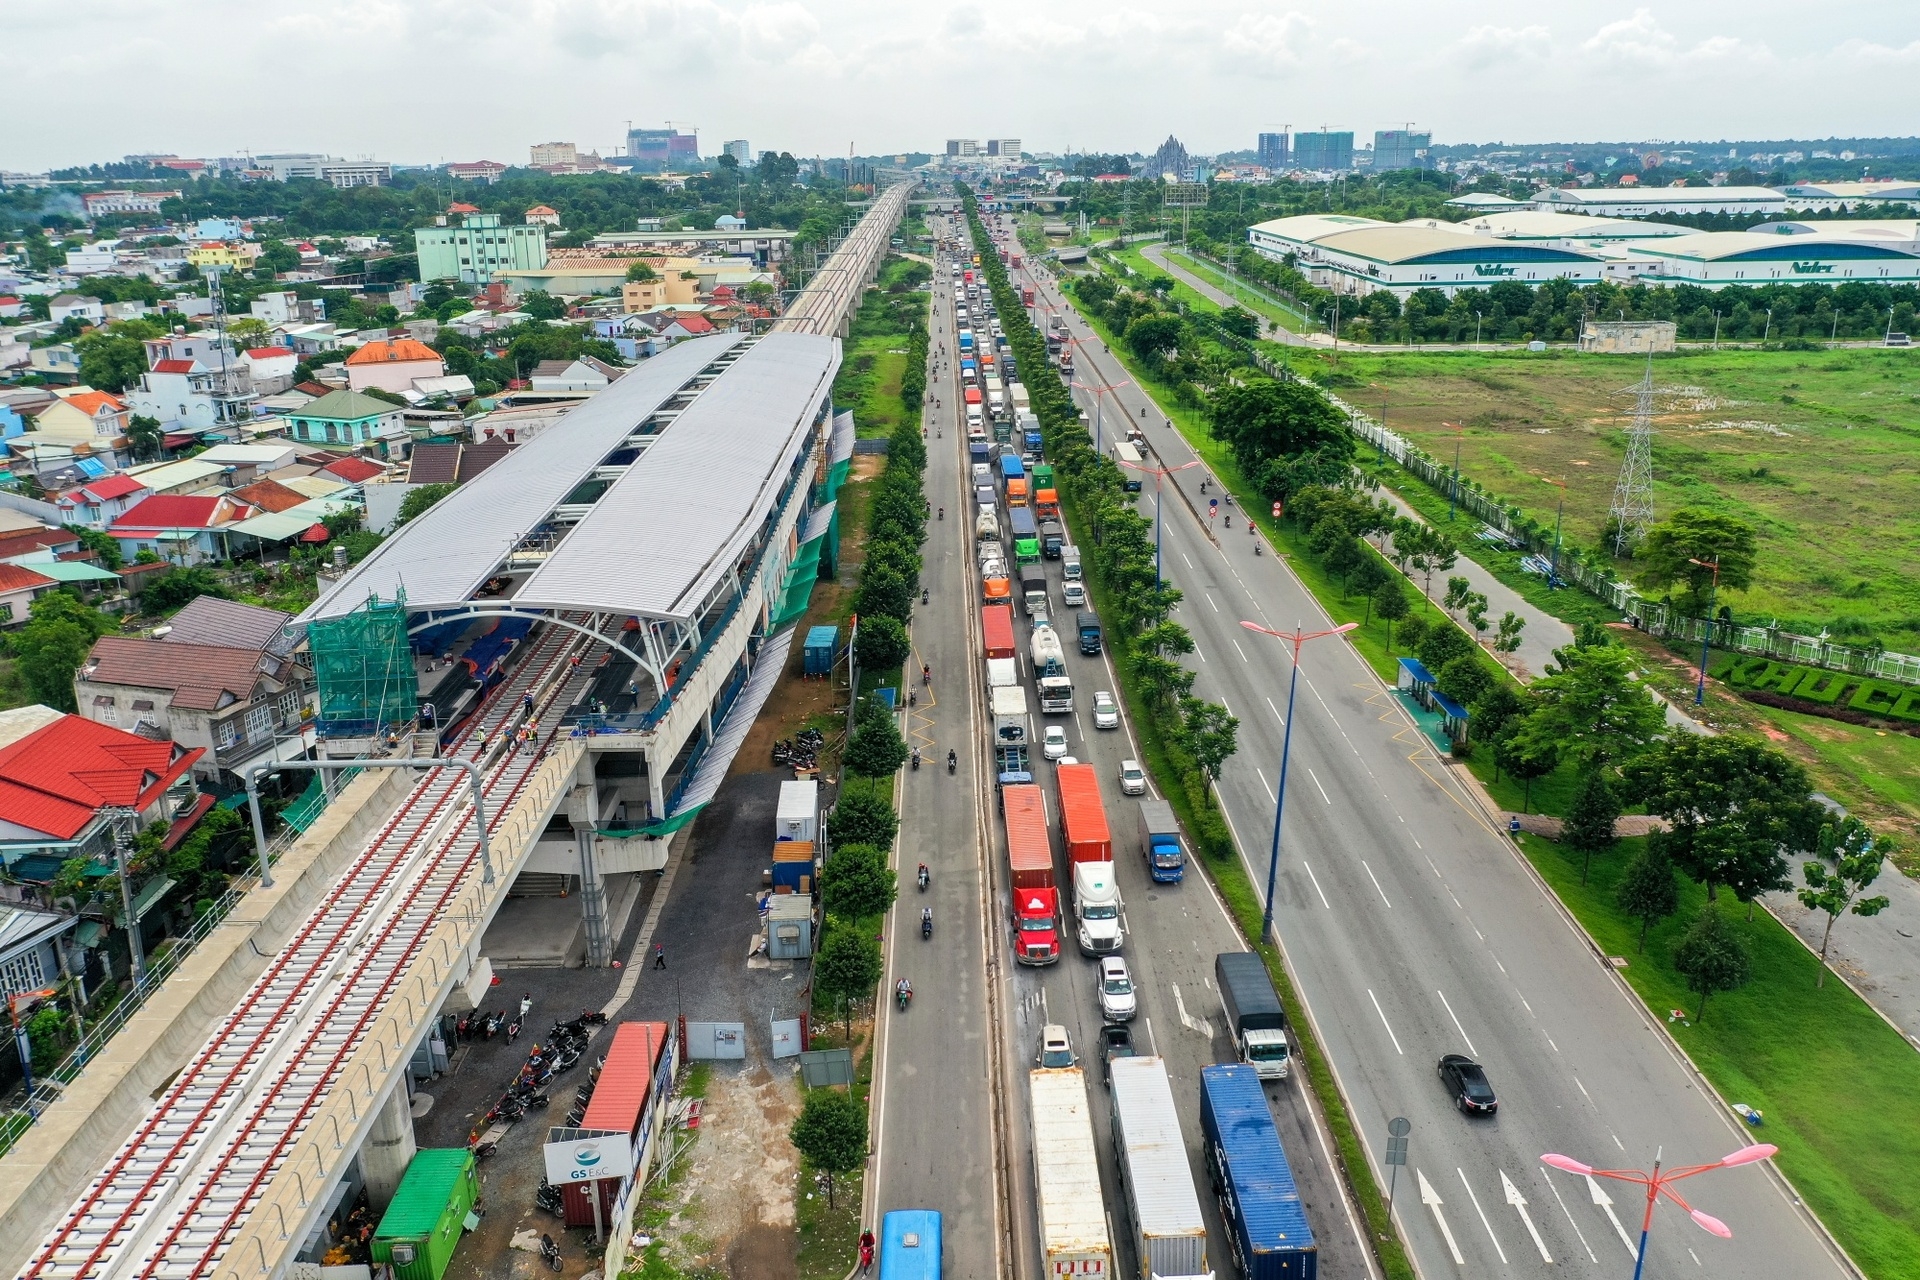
(1820, 451)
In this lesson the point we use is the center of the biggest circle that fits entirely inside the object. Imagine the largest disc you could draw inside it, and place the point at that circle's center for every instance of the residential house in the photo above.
(270, 368)
(12, 425)
(284, 307)
(454, 386)
(66, 306)
(19, 543)
(181, 529)
(12, 307)
(584, 374)
(99, 503)
(670, 287)
(193, 394)
(58, 363)
(16, 350)
(225, 255)
(224, 680)
(249, 462)
(85, 421)
(455, 463)
(349, 420)
(33, 945)
(671, 326)
(269, 496)
(19, 588)
(186, 476)
(393, 365)
(352, 470)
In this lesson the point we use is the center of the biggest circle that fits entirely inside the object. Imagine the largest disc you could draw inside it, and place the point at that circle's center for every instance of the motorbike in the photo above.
(926, 924)
(916, 760)
(549, 1252)
(485, 1149)
(491, 1027)
(953, 762)
(1256, 547)
(923, 595)
(513, 1030)
(903, 996)
(548, 1198)
(924, 877)
(463, 1029)
(592, 1018)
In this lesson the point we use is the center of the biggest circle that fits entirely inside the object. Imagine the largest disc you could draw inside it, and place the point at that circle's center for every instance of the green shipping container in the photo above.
(1042, 476)
(420, 1228)
(1026, 551)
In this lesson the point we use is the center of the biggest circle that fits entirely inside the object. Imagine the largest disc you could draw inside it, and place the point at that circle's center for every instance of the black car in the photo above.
(1116, 1041)
(1467, 1084)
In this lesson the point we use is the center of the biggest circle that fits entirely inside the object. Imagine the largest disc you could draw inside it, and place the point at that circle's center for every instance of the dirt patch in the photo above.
(734, 1207)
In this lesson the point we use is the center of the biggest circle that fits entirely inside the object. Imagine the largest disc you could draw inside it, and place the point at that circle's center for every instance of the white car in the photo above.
(1117, 1000)
(1056, 1050)
(1106, 712)
(1133, 779)
(1074, 595)
(1054, 745)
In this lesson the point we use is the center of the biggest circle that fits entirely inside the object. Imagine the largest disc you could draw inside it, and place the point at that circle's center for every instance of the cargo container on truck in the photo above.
(1255, 1019)
(1052, 538)
(1002, 673)
(1049, 658)
(996, 631)
(979, 452)
(1066, 1177)
(1163, 1209)
(1036, 903)
(1041, 474)
(1026, 295)
(971, 395)
(1267, 1225)
(1020, 520)
(966, 341)
(1033, 589)
(1018, 400)
(1160, 842)
(1089, 842)
(1014, 262)
(1011, 467)
(1036, 442)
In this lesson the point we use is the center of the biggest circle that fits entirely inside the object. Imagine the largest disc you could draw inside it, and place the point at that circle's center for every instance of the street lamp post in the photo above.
(1660, 1184)
(1296, 638)
(1706, 632)
(1553, 579)
(1159, 474)
(1099, 403)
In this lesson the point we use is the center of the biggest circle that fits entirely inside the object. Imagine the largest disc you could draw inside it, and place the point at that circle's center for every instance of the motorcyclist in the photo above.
(903, 990)
(943, 513)
(953, 760)
(916, 757)
(926, 673)
(926, 920)
(923, 875)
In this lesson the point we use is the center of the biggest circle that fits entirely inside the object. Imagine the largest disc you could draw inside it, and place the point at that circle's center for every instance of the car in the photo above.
(1467, 1084)
(1133, 779)
(1116, 1041)
(1117, 1001)
(1106, 712)
(1055, 1050)
(1073, 595)
(1054, 744)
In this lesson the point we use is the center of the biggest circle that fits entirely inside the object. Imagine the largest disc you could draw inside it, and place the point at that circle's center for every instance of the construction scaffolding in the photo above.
(364, 666)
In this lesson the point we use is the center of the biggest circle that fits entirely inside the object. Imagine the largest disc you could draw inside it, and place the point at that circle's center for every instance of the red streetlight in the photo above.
(1660, 1184)
(1158, 474)
(1296, 638)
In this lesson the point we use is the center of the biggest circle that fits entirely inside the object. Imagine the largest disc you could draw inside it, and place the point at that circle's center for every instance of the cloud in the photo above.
(1489, 46)
(1268, 42)
(1885, 55)
(1641, 42)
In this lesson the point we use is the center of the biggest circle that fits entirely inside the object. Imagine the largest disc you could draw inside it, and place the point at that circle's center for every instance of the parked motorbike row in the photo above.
(564, 1046)
(799, 751)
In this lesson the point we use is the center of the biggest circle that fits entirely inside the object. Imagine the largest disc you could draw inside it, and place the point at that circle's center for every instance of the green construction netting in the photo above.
(802, 574)
(365, 666)
(665, 827)
(830, 547)
(837, 476)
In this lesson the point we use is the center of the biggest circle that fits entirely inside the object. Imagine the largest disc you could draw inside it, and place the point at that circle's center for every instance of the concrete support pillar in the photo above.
(655, 793)
(389, 1148)
(593, 902)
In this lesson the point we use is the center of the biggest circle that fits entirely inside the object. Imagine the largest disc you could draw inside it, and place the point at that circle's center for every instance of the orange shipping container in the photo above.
(1083, 819)
(1029, 855)
(996, 630)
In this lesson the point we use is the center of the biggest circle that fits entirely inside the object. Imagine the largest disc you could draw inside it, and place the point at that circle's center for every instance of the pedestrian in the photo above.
(659, 955)
(527, 702)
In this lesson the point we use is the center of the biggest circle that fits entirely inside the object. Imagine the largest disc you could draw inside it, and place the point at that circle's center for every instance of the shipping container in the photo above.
(1066, 1177)
(797, 816)
(1083, 819)
(1029, 855)
(822, 643)
(1011, 467)
(1163, 1210)
(996, 630)
(1266, 1223)
(621, 1099)
(421, 1226)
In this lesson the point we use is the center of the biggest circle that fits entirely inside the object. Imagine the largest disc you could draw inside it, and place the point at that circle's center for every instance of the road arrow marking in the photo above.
(1187, 1020)
(1431, 1198)
(1601, 1198)
(1519, 1202)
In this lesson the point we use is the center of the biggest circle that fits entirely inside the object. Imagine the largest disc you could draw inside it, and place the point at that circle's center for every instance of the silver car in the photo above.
(1117, 1000)
(1133, 779)
(1106, 712)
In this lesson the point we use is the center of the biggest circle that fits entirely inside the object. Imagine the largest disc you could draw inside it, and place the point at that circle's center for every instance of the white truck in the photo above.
(1049, 658)
(1066, 1177)
(1070, 563)
(1010, 722)
(1056, 695)
(1163, 1211)
(1096, 907)
(1002, 673)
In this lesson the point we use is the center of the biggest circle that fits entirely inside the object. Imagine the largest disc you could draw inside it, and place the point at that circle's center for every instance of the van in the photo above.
(1070, 563)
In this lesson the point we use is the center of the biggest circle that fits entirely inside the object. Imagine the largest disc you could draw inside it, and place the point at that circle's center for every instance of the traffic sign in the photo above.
(1398, 1128)
(1277, 508)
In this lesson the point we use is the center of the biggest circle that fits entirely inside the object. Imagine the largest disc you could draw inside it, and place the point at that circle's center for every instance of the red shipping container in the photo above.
(1083, 819)
(1028, 854)
(996, 628)
(619, 1102)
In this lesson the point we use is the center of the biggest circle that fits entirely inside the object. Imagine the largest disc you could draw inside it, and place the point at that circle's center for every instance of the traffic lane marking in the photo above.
(1483, 1215)
(1388, 1025)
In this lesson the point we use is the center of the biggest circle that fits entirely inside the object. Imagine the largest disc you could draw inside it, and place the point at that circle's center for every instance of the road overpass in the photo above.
(662, 528)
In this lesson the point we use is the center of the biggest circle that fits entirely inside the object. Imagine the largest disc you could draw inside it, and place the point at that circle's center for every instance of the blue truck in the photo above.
(1011, 468)
(1087, 623)
(1266, 1223)
(1160, 841)
(1036, 444)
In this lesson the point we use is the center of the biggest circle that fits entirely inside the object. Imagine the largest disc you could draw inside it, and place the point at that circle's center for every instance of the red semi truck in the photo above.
(1036, 902)
(1026, 295)
(1083, 819)
(1096, 893)
(996, 629)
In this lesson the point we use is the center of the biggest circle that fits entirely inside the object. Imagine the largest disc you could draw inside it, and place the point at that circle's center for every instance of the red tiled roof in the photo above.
(268, 495)
(317, 534)
(17, 577)
(353, 470)
(56, 779)
(173, 366)
(393, 349)
(313, 388)
(459, 206)
(694, 324)
(164, 511)
(91, 402)
(115, 486)
(23, 541)
(203, 677)
(269, 353)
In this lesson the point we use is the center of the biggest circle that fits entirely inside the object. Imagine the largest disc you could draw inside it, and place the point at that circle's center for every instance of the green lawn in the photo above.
(1840, 1088)
(1251, 296)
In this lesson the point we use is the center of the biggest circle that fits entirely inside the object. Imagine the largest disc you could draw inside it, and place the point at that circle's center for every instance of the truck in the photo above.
(986, 526)
(1160, 842)
(996, 591)
(971, 394)
(984, 497)
(996, 630)
(1026, 537)
(1026, 295)
(1018, 398)
(1011, 467)
(1049, 659)
(1056, 695)
(996, 403)
(1089, 842)
(1046, 502)
(1255, 1018)
(1070, 563)
(1012, 735)
(1066, 1177)
(1163, 1210)
(1002, 673)
(1267, 1226)
(1042, 473)
(1052, 538)
(1017, 492)
(1036, 444)
(1033, 589)
(1036, 903)
(1014, 263)
(979, 452)
(1088, 623)
(966, 341)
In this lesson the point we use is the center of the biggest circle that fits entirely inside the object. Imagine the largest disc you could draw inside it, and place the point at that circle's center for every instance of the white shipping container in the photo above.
(1003, 673)
(797, 816)
(1163, 1210)
(1066, 1178)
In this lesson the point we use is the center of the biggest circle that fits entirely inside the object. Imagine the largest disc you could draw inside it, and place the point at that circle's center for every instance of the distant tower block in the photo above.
(1632, 511)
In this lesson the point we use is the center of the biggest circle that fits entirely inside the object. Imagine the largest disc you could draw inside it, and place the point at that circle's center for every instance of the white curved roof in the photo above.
(1305, 228)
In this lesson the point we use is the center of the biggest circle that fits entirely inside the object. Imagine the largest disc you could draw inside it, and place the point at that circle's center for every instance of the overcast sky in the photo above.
(430, 80)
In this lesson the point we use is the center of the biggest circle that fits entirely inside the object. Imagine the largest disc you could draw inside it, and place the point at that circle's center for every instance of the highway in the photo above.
(1413, 929)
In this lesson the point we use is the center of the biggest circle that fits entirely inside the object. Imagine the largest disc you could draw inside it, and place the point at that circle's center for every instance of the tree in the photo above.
(862, 817)
(52, 645)
(1211, 733)
(847, 969)
(1155, 337)
(1432, 552)
(179, 587)
(1476, 610)
(1264, 421)
(1346, 555)
(1691, 534)
(542, 305)
(144, 436)
(856, 883)
(831, 1132)
(1589, 825)
(100, 543)
(1592, 708)
(883, 591)
(1441, 645)
(1391, 603)
(1525, 758)
(641, 272)
(1712, 957)
(1240, 322)
(1734, 807)
(1508, 639)
(876, 748)
(1458, 589)
(1856, 862)
(1368, 577)
(882, 644)
(1463, 679)
(248, 332)
(109, 362)
(417, 502)
(1648, 891)
(760, 293)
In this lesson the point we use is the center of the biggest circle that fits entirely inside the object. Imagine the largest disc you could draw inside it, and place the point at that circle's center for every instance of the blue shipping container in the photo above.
(1266, 1223)
(819, 650)
(1020, 522)
(1011, 468)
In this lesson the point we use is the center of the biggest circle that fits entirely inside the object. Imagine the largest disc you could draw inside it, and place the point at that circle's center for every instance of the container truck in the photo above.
(984, 496)
(1010, 722)
(1017, 398)
(1049, 658)
(1011, 467)
(979, 452)
(996, 630)
(986, 526)
(1163, 1210)
(972, 395)
(1033, 589)
(1036, 903)
(1014, 263)
(1160, 842)
(966, 341)
(1026, 295)
(1036, 443)
(1017, 494)
(1084, 830)
(1088, 624)
(995, 591)
(1053, 538)
(1070, 563)
(1056, 695)
(1255, 1019)
(996, 403)
(1267, 1226)
(1066, 1177)
(1002, 673)
(1046, 502)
